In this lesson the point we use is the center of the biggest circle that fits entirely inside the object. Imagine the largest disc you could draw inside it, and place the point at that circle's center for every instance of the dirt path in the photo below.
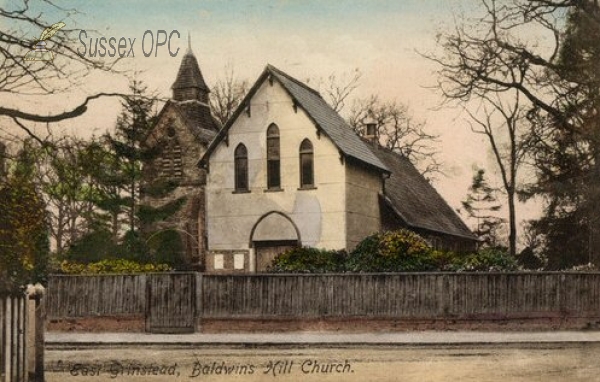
(547, 363)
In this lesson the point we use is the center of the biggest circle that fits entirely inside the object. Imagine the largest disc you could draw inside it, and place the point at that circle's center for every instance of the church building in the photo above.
(286, 170)
(183, 131)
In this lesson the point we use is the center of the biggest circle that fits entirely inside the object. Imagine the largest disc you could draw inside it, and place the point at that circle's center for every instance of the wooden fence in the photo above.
(22, 336)
(84, 296)
(432, 295)
(13, 338)
(398, 296)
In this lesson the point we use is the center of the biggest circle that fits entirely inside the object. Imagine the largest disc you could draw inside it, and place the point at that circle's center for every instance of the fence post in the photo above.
(444, 295)
(562, 295)
(22, 338)
(199, 303)
(7, 338)
(2, 339)
(37, 292)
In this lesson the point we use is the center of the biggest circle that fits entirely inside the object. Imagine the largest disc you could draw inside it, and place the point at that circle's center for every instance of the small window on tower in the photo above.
(170, 160)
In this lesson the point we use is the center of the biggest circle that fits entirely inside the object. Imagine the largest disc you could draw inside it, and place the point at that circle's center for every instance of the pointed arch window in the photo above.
(241, 168)
(273, 158)
(307, 171)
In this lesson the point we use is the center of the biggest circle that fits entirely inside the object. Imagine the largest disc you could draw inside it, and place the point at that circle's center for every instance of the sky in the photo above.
(308, 39)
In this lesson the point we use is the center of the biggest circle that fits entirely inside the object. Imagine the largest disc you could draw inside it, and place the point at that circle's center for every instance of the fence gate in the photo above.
(170, 305)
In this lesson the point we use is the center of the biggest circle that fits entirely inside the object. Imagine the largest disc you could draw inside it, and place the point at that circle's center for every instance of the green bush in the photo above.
(309, 260)
(486, 260)
(166, 247)
(393, 251)
(528, 259)
(133, 247)
(92, 247)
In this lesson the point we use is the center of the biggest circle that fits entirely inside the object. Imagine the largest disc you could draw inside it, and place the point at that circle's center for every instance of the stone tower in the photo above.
(184, 128)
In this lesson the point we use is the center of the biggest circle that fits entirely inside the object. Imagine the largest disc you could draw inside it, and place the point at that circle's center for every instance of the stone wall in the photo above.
(188, 221)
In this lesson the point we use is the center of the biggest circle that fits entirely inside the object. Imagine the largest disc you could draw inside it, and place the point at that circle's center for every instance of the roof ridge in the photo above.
(296, 81)
(378, 146)
(325, 119)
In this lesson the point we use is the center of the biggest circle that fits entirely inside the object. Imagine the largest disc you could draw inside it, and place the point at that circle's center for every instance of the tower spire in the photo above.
(189, 84)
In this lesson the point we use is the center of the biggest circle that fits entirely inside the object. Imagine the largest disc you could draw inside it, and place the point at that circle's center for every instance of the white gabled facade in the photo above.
(237, 221)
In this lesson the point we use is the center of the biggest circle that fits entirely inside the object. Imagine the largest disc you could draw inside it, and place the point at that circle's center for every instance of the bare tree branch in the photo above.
(337, 89)
(398, 131)
(226, 95)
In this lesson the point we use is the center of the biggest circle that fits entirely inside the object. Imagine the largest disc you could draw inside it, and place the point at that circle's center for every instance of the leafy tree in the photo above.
(66, 187)
(482, 205)
(24, 244)
(116, 167)
(565, 240)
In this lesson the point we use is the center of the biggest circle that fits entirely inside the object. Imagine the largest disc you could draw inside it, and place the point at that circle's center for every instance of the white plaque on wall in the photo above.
(219, 261)
(238, 261)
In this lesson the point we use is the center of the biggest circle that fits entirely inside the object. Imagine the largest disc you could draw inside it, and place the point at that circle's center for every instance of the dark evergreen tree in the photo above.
(482, 205)
(567, 149)
(133, 125)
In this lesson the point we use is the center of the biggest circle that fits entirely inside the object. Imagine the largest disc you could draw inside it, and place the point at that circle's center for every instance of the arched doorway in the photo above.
(273, 234)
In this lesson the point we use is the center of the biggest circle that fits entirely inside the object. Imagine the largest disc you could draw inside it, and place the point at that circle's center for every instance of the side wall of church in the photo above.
(362, 194)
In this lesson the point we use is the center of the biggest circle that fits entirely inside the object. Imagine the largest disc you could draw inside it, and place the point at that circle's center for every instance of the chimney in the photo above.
(370, 129)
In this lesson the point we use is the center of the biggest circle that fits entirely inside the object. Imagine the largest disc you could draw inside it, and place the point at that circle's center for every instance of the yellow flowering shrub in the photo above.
(393, 251)
(110, 266)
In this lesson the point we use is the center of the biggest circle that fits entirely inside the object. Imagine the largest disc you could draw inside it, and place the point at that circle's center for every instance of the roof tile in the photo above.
(415, 199)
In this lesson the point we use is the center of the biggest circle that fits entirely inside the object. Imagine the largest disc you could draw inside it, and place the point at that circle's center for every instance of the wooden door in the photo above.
(170, 306)
(268, 250)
